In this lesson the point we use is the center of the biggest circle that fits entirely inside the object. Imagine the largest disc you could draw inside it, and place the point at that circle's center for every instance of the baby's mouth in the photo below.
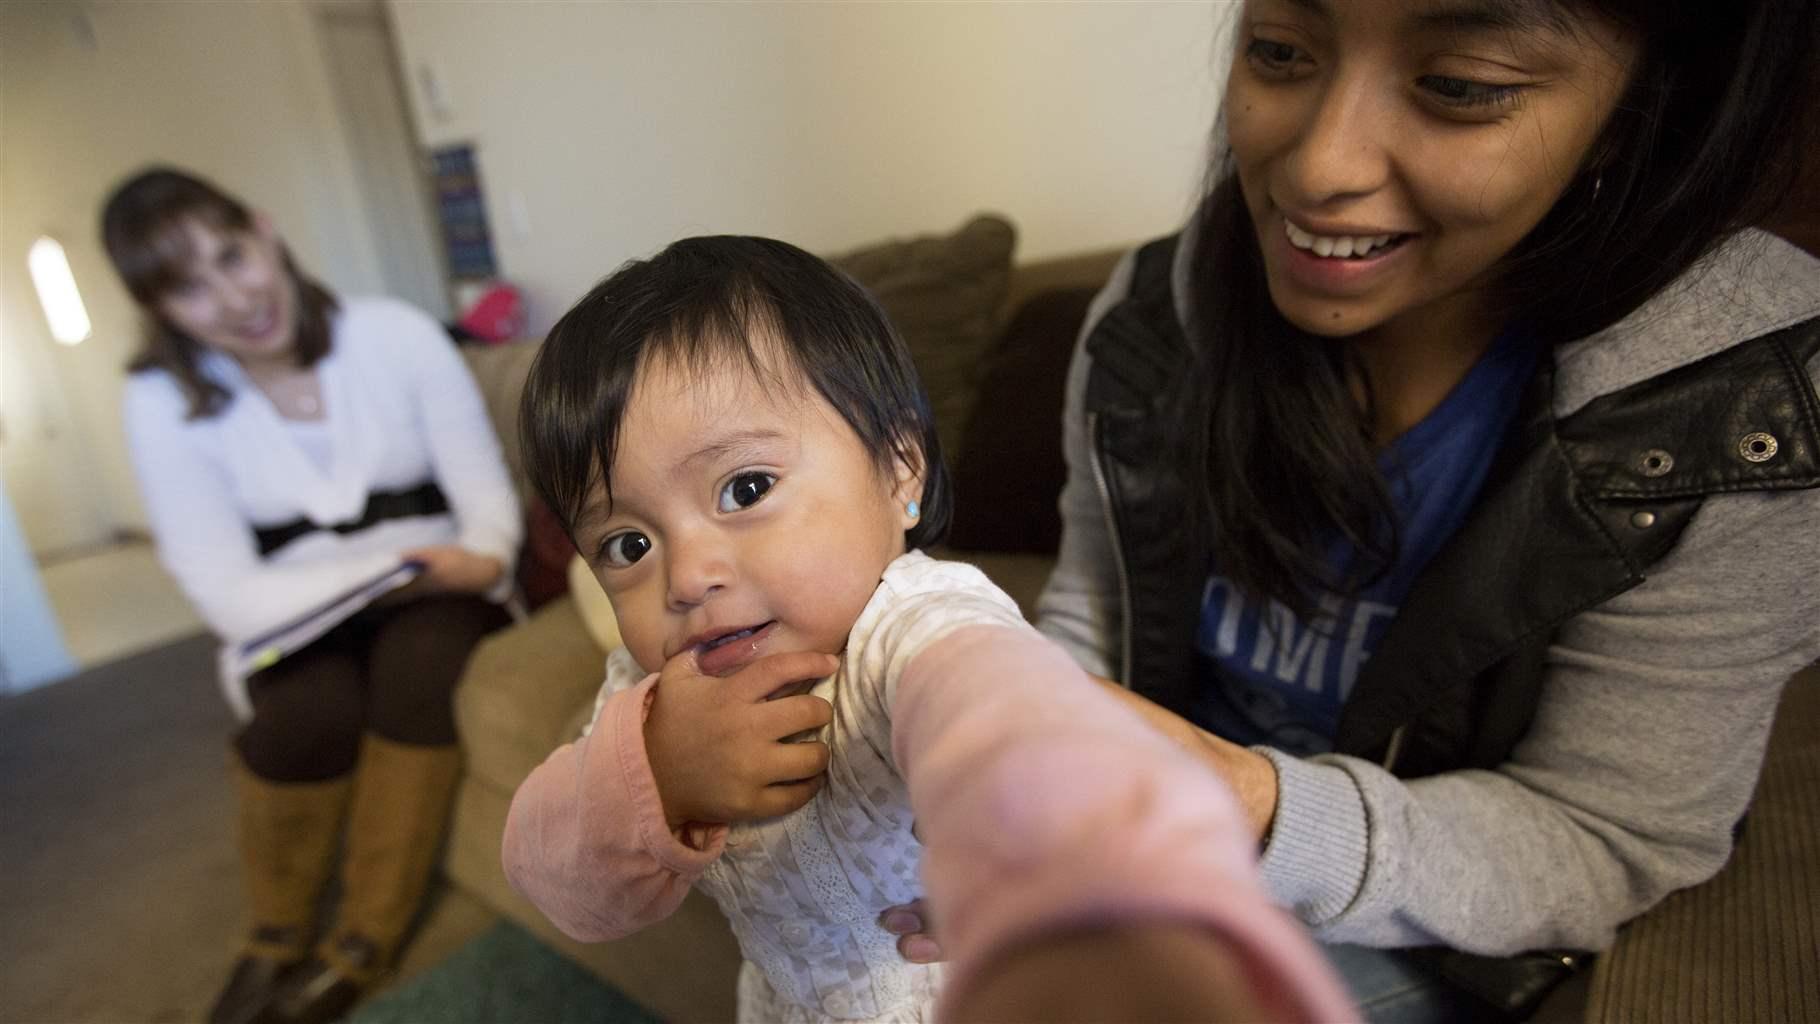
(731, 651)
(727, 638)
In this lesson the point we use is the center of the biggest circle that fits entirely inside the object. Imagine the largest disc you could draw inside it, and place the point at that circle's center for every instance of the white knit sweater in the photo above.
(400, 408)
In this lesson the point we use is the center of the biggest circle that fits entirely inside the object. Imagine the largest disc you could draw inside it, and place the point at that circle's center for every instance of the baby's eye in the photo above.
(744, 491)
(622, 549)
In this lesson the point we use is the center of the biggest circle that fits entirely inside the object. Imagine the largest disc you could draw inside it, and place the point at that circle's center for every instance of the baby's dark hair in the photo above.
(702, 300)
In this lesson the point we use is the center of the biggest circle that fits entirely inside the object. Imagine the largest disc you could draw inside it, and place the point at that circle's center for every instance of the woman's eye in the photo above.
(622, 549)
(1466, 93)
(744, 491)
(1273, 58)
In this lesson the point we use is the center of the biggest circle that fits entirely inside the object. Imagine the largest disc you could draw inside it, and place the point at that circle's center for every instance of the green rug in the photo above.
(503, 977)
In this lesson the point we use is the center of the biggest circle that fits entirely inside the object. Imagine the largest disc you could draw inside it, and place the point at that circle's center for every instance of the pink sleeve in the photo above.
(1045, 804)
(586, 840)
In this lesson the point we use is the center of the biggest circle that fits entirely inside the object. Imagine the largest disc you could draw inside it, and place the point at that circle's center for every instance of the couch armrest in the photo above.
(522, 691)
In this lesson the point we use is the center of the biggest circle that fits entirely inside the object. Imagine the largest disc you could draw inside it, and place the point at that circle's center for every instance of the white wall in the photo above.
(90, 92)
(607, 130)
(604, 132)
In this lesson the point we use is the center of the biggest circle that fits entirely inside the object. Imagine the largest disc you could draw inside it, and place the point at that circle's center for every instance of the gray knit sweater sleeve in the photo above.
(1645, 750)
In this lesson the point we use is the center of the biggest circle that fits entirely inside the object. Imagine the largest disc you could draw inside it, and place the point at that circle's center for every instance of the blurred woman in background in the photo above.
(291, 448)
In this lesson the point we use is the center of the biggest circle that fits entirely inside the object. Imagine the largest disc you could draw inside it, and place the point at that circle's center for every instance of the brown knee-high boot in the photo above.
(402, 796)
(288, 834)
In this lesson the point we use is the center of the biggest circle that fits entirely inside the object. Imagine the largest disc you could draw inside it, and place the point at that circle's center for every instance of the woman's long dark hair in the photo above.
(1276, 444)
(142, 229)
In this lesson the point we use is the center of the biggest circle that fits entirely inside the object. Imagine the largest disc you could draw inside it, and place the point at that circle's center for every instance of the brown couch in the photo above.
(992, 342)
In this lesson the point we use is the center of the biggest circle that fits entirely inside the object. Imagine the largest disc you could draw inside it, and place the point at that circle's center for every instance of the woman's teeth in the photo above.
(1340, 246)
(262, 326)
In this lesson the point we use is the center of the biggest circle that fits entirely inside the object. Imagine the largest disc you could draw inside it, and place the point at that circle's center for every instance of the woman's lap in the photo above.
(389, 670)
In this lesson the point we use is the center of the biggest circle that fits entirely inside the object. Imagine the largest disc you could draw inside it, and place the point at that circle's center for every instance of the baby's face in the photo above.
(747, 519)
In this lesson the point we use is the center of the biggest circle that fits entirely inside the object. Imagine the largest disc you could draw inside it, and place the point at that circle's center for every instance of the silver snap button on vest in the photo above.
(1655, 462)
(1642, 520)
(1758, 447)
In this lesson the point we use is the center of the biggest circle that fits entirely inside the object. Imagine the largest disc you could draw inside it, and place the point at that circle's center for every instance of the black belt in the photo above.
(425, 499)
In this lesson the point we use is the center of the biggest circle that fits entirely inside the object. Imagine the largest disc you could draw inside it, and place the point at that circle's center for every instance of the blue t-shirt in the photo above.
(1277, 680)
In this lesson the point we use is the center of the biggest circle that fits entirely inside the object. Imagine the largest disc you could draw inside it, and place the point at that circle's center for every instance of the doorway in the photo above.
(362, 65)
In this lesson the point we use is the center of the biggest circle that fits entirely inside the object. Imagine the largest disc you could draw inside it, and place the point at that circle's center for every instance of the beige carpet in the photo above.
(116, 601)
(119, 890)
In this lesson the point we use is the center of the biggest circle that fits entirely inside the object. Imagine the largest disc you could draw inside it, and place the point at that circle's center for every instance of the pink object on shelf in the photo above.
(498, 315)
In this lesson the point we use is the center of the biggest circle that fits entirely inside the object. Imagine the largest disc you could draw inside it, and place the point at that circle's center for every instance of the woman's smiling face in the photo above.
(234, 293)
(1391, 152)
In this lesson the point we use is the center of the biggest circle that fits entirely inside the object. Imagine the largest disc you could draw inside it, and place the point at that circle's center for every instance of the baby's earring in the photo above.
(914, 509)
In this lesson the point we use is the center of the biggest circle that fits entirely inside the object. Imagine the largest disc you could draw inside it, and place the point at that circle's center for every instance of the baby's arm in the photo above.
(1045, 810)
(607, 835)
(586, 840)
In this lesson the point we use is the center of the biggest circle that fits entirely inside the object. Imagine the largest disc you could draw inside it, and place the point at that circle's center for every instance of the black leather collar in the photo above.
(1579, 510)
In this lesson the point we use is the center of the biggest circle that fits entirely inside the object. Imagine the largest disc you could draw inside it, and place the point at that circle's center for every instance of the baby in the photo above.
(735, 437)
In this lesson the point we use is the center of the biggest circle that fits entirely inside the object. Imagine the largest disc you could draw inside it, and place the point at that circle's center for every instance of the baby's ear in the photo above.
(907, 474)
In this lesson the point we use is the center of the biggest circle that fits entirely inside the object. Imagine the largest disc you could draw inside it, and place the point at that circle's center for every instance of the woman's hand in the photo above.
(718, 747)
(453, 569)
(1251, 776)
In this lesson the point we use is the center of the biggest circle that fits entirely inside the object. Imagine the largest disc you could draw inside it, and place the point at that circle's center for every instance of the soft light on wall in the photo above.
(57, 291)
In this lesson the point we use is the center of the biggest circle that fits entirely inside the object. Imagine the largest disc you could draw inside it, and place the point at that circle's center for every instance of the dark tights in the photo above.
(389, 670)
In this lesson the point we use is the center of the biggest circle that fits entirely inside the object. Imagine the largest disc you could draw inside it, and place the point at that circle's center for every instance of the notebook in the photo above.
(268, 648)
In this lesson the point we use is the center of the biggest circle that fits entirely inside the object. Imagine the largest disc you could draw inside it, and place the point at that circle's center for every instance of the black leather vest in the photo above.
(1574, 512)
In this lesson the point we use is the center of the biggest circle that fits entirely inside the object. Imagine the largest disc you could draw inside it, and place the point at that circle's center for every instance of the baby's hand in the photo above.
(717, 746)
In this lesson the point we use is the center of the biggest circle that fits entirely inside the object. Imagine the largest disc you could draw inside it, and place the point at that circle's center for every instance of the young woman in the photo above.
(1498, 445)
(289, 448)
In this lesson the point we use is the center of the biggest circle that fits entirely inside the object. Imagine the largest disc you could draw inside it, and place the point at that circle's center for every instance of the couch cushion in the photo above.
(1009, 469)
(500, 372)
(943, 294)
